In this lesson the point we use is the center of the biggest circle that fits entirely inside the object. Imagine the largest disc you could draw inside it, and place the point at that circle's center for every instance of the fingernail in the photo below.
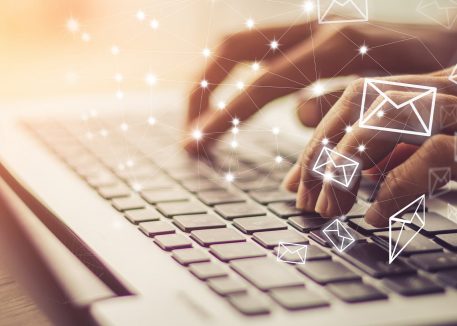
(300, 201)
(322, 203)
(289, 182)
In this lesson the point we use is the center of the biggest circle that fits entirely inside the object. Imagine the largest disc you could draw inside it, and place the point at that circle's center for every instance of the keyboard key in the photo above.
(181, 208)
(231, 211)
(249, 304)
(163, 196)
(206, 271)
(419, 244)
(298, 298)
(412, 285)
(267, 274)
(102, 179)
(271, 239)
(328, 271)
(190, 256)
(257, 184)
(272, 196)
(435, 224)
(433, 262)
(227, 286)
(250, 225)
(216, 236)
(236, 250)
(172, 241)
(142, 215)
(151, 229)
(364, 228)
(285, 209)
(200, 184)
(359, 208)
(353, 292)
(128, 203)
(110, 192)
(307, 224)
(374, 261)
(189, 223)
(448, 277)
(447, 240)
(321, 238)
(312, 253)
(152, 183)
(217, 197)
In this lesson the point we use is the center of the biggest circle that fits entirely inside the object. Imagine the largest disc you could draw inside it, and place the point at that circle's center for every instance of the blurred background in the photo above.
(59, 47)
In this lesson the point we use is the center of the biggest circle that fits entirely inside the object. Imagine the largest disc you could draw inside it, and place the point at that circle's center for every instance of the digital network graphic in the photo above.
(292, 253)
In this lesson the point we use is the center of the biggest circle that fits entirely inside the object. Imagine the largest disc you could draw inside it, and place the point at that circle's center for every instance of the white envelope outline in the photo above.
(336, 227)
(419, 214)
(436, 175)
(453, 75)
(409, 104)
(426, 7)
(360, 11)
(296, 249)
(319, 167)
(452, 213)
(448, 114)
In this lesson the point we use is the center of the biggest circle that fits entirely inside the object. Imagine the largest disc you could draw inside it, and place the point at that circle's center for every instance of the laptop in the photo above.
(128, 229)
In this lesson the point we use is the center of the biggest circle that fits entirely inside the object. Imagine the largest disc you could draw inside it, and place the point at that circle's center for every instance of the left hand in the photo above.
(404, 182)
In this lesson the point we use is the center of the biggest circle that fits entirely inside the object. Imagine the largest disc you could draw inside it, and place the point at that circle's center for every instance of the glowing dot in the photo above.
(274, 45)
(235, 121)
(151, 79)
(240, 85)
(278, 159)
(229, 177)
(206, 52)
(221, 105)
(130, 163)
(103, 132)
(234, 144)
(363, 49)
(235, 130)
(73, 25)
(154, 23)
(118, 77)
(308, 6)
(328, 176)
(250, 23)
(140, 15)
(137, 187)
(380, 113)
(152, 121)
(115, 50)
(197, 134)
(348, 129)
(275, 130)
(86, 37)
(325, 141)
(120, 95)
(255, 66)
(361, 148)
(124, 126)
(204, 84)
(318, 89)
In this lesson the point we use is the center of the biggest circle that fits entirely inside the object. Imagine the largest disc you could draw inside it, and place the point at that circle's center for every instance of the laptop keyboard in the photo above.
(227, 233)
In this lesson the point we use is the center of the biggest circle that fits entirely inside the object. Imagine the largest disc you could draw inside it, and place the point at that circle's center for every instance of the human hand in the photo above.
(400, 185)
(306, 53)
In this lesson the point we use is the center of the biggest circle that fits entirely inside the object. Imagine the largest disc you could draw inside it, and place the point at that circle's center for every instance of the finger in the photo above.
(409, 180)
(310, 111)
(370, 146)
(244, 46)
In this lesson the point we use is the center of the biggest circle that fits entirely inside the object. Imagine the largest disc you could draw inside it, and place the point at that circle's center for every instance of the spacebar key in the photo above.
(374, 261)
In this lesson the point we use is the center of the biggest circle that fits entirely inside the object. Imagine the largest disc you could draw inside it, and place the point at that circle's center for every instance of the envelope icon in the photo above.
(442, 12)
(448, 115)
(338, 235)
(417, 218)
(342, 11)
(293, 253)
(453, 75)
(452, 213)
(413, 115)
(438, 178)
(342, 168)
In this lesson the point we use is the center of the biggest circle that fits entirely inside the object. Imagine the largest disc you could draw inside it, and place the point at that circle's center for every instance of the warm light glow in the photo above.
(115, 50)
(73, 25)
(250, 23)
(235, 121)
(152, 121)
(363, 50)
(204, 84)
(197, 134)
(274, 45)
(325, 141)
(150, 79)
(221, 105)
(234, 144)
(318, 89)
(380, 113)
(86, 37)
(154, 23)
(124, 126)
(229, 177)
(348, 129)
(140, 15)
(255, 66)
(103, 132)
(235, 130)
(130, 163)
(328, 176)
(275, 130)
(120, 95)
(308, 6)
(118, 77)
(206, 52)
(361, 148)
(137, 187)
(278, 159)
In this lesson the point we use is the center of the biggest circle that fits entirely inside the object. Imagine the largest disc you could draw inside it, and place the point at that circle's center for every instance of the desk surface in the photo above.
(16, 308)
